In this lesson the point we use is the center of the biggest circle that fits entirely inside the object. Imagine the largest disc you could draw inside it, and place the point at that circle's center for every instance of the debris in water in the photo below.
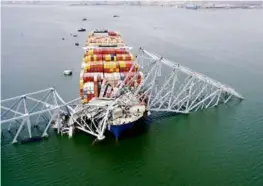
(63, 38)
(75, 35)
(84, 19)
(76, 44)
(82, 30)
(116, 16)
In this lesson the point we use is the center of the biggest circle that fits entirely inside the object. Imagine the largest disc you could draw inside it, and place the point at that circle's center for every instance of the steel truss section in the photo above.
(34, 109)
(165, 87)
(171, 87)
(89, 119)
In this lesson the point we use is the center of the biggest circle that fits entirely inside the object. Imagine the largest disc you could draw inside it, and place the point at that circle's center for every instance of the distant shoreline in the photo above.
(175, 4)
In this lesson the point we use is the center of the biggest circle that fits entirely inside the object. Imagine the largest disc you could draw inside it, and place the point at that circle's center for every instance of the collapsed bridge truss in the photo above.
(166, 87)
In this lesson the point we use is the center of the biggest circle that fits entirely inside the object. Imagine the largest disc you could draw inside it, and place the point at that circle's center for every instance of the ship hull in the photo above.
(116, 130)
(135, 127)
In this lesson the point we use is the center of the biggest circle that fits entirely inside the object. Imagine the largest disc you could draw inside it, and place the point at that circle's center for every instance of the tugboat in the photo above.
(81, 30)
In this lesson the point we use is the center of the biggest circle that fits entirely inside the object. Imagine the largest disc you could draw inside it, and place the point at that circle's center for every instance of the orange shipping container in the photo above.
(87, 77)
(81, 92)
(124, 57)
(125, 66)
(96, 89)
(93, 66)
(110, 67)
(92, 58)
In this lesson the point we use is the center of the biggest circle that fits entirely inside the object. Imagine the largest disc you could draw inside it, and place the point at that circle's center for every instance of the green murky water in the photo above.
(219, 146)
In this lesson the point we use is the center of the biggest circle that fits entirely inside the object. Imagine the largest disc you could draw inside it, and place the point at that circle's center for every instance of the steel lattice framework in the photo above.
(166, 87)
(174, 88)
(31, 109)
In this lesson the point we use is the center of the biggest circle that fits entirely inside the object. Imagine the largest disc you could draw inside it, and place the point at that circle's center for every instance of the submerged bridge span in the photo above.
(167, 87)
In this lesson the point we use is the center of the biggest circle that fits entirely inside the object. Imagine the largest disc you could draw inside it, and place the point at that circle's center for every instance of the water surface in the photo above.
(218, 146)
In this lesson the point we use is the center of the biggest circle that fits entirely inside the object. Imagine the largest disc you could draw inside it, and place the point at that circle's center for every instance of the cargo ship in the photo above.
(107, 70)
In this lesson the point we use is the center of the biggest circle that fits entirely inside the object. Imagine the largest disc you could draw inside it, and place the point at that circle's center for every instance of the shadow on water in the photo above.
(7, 136)
(132, 145)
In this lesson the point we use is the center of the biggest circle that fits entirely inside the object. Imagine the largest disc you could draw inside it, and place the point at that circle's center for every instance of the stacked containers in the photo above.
(104, 67)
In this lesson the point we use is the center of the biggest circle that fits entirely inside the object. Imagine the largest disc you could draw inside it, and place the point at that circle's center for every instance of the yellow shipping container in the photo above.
(110, 65)
(85, 59)
(132, 57)
(90, 52)
(87, 67)
(107, 57)
(81, 84)
(84, 100)
(122, 64)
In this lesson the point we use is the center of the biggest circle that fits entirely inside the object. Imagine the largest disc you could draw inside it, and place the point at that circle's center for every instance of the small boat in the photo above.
(81, 30)
(67, 72)
(84, 19)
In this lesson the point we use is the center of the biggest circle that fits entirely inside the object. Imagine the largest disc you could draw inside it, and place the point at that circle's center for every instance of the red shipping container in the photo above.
(94, 66)
(88, 77)
(121, 51)
(90, 96)
(112, 33)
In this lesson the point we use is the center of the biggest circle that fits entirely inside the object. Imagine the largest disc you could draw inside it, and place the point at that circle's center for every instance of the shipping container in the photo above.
(125, 66)
(93, 66)
(121, 51)
(96, 89)
(93, 58)
(88, 88)
(124, 57)
(110, 67)
(88, 77)
(81, 82)
(92, 76)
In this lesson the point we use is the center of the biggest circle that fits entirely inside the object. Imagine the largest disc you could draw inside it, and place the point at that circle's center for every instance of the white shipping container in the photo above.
(116, 76)
(81, 74)
(89, 87)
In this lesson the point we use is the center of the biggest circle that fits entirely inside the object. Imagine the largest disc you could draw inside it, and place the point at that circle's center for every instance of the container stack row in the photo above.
(104, 68)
